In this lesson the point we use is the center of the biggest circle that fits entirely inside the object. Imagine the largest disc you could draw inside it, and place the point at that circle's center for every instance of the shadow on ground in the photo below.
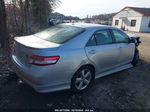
(128, 89)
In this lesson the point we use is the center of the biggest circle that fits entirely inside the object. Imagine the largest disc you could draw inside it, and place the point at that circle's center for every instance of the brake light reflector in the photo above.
(43, 60)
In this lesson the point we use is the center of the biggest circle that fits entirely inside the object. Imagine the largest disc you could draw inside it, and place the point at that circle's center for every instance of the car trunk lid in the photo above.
(34, 42)
(27, 46)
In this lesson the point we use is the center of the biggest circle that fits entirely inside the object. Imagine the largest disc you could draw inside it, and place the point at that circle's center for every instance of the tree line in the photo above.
(103, 16)
(23, 17)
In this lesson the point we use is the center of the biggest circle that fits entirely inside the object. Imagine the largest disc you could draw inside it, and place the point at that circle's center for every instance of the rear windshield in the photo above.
(59, 33)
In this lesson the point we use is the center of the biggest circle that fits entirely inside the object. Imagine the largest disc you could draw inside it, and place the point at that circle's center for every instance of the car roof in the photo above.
(88, 25)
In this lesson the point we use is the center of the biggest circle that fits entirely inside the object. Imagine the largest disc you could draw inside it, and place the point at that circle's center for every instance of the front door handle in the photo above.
(92, 52)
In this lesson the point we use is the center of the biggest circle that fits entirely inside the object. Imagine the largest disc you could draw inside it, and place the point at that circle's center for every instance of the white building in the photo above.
(133, 19)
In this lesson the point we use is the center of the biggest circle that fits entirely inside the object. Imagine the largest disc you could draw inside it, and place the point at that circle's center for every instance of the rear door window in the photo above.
(92, 41)
(100, 37)
(103, 37)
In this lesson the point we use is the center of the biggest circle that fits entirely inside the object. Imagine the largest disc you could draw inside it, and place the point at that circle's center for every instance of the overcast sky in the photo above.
(82, 8)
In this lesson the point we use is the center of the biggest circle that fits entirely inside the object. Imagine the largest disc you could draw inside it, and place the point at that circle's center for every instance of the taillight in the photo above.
(43, 60)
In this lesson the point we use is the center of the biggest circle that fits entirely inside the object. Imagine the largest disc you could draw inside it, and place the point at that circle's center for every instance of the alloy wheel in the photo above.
(83, 79)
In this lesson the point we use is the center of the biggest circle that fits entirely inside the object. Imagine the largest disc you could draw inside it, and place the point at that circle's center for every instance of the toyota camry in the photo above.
(71, 56)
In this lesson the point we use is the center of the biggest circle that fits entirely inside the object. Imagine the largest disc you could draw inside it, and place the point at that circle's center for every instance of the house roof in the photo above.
(142, 11)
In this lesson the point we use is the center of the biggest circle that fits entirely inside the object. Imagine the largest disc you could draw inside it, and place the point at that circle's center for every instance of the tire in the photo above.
(82, 79)
(136, 58)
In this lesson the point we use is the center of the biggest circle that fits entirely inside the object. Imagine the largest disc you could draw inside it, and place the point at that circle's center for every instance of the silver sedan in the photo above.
(72, 55)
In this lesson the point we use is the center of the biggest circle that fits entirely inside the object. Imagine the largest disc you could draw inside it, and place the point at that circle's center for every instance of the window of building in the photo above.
(149, 24)
(133, 22)
(116, 22)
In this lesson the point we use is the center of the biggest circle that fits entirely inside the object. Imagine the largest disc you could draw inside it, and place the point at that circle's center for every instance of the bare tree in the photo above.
(28, 16)
(41, 10)
(3, 27)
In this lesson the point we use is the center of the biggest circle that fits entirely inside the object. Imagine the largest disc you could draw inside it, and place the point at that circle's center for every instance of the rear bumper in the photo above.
(39, 79)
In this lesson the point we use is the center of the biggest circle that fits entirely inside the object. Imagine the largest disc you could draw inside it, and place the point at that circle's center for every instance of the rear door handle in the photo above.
(92, 52)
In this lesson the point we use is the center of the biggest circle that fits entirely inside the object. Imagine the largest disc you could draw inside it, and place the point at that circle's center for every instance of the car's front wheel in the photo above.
(82, 79)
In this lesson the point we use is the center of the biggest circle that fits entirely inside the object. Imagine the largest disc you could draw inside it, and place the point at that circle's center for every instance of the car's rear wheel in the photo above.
(136, 58)
(82, 79)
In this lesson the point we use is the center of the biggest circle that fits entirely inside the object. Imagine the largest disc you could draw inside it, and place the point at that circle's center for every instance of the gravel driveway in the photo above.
(128, 90)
